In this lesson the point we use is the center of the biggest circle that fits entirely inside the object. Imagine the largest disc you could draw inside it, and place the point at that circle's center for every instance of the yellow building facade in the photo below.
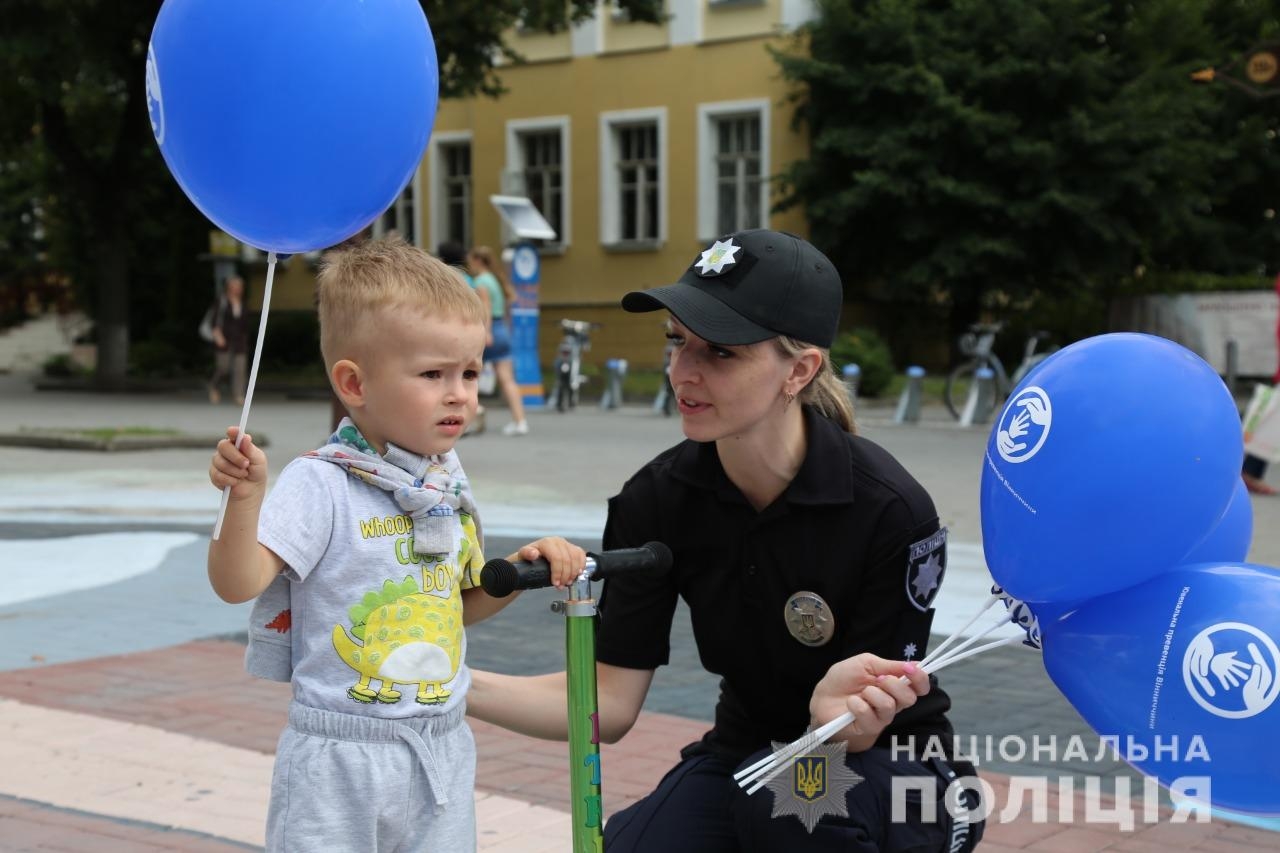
(637, 142)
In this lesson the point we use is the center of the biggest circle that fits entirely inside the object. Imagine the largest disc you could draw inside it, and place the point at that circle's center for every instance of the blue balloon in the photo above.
(292, 124)
(1109, 463)
(1230, 538)
(1271, 824)
(1189, 657)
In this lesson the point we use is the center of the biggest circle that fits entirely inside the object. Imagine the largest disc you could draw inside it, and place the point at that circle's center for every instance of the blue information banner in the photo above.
(526, 271)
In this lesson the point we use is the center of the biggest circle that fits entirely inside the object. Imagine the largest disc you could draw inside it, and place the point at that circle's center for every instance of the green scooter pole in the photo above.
(584, 721)
(500, 578)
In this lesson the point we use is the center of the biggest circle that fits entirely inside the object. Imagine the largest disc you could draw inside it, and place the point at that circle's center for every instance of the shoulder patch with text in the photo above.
(926, 564)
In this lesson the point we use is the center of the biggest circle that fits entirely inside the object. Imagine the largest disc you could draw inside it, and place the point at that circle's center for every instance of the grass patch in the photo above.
(932, 390)
(311, 375)
(103, 433)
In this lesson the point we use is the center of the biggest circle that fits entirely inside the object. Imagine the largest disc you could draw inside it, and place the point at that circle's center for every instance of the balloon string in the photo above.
(765, 770)
(949, 640)
(253, 381)
(937, 656)
(956, 655)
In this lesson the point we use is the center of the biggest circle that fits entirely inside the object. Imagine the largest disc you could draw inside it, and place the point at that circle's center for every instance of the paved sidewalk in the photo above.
(171, 750)
(127, 723)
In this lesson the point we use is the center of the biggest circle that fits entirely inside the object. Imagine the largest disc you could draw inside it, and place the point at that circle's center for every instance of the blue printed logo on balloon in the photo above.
(155, 101)
(1024, 425)
(1231, 670)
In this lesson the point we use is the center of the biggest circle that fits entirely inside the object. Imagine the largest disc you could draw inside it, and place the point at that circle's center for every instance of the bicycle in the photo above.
(978, 344)
(575, 341)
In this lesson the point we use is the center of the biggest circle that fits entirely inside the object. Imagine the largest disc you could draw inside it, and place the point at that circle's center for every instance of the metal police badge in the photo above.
(814, 785)
(718, 259)
(926, 563)
(809, 619)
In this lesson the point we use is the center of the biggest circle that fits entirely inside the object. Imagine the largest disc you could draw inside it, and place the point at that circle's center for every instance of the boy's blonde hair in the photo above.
(357, 279)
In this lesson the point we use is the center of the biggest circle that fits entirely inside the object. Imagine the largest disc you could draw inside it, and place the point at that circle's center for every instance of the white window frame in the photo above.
(684, 24)
(415, 208)
(797, 13)
(610, 225)
(436, 195)
(516, 128)
(708, 115)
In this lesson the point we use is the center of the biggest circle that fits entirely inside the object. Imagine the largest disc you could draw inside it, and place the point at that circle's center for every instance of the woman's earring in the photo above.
(787, 399)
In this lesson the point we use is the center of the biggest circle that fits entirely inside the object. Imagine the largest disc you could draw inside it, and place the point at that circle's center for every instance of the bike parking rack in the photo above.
(852, 376)
(908, 411)
(615, 370)
(981, 401)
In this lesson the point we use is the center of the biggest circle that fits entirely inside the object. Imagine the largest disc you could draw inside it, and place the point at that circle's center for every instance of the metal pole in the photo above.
(909, 403)
(584, 720)
(615, 369)
(1233, 365)
(982, 398)
(852, 376)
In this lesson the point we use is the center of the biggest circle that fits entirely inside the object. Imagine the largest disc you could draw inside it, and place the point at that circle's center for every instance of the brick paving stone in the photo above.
(1247, 835)
(1137, 845)
(1019, 833)
(201, 691)
(1223, 844)
(26, 825)
(1075, 840)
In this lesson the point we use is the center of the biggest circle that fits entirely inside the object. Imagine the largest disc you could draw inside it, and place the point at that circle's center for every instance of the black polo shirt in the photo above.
(843, 529)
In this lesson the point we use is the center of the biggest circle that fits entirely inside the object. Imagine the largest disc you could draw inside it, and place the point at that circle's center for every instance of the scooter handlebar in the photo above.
(501, 577)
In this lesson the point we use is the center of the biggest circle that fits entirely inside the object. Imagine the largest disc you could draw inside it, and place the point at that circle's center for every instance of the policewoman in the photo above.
(808, 558)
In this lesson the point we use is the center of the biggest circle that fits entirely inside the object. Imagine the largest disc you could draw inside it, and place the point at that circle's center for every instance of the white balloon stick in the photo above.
(253, 380)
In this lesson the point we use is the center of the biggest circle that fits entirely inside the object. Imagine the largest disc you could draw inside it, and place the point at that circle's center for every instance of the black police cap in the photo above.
(750, 286)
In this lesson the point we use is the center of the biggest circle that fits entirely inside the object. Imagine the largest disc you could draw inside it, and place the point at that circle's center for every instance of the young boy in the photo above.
(377, 533)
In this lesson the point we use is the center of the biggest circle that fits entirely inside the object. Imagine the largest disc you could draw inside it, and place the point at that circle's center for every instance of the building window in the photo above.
(738, 173)
(400, 218)
(638, 177)
(538, 167)
(457, 192)
(543, 175)
(733, 167)
(451, 189)
(633, 169)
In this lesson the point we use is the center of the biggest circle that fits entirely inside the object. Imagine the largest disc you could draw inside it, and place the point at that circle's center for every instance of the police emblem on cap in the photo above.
(809, 619)
(926, 564)
(718, 259)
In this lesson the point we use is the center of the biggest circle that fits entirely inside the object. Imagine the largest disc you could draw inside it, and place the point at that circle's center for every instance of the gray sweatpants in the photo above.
(344, 782)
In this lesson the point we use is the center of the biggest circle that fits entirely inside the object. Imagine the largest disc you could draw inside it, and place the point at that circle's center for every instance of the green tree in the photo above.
(75, 144)
(966, 150)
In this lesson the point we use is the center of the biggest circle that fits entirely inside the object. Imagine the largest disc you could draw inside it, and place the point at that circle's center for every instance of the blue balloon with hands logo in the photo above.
(292, 124)
(1110, 462)
(1185, 668)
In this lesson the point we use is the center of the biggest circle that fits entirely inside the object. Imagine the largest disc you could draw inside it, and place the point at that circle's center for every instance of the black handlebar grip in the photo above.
(501, 577)
(649, 557)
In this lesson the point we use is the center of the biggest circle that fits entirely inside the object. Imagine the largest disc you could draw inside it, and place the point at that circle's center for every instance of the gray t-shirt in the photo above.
(377, 629)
